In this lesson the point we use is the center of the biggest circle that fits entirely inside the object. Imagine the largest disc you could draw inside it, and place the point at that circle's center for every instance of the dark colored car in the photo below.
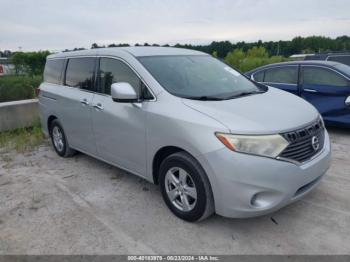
(324, 84)
(341, 57)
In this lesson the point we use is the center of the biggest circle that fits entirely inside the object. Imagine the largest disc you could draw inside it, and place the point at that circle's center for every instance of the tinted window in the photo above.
(197, 76)
(259, 76)
(341, 59)
(114, 71)
(322, 76)
(287, 75)
(53, 70)
(80, 73)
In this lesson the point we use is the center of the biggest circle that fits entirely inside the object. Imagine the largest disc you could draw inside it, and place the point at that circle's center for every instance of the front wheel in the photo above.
(185, 187)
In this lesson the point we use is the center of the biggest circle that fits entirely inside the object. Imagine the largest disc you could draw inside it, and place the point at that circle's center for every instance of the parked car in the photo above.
(326, 85)
(212, 139)
(7, 69)
(341, 57)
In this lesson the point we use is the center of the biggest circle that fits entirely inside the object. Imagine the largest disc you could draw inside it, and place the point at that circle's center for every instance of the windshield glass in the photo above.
(198, 77)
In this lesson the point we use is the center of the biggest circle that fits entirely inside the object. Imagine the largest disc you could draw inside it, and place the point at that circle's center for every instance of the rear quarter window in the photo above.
(53, 71)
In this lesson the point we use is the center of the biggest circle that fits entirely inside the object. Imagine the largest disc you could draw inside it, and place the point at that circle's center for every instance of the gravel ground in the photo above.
(51, 205)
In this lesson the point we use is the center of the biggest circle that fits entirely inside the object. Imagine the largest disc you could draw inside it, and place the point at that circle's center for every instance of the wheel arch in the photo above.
(160, 155)
(49, 121)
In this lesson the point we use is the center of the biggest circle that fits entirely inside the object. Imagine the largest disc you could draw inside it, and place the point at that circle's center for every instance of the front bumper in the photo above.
(246, 185)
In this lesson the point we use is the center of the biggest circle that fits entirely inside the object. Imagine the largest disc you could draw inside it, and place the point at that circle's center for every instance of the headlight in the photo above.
(263, 145)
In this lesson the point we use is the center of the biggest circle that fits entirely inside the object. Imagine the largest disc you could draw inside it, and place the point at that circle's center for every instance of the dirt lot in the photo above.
(51, 205)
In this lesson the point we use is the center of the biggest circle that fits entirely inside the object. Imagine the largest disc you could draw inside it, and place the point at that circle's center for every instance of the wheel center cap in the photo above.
(181, 188)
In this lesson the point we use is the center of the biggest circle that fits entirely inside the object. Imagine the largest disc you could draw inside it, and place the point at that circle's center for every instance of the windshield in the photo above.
(198, 77)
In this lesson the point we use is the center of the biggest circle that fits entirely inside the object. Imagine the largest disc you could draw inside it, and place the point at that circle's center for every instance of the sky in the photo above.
(56, 25)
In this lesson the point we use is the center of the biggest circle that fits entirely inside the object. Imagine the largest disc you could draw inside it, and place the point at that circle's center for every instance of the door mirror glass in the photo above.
(123, 92)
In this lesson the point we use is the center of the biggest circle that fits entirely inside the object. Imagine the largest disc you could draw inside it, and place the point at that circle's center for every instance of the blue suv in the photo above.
(324, 84)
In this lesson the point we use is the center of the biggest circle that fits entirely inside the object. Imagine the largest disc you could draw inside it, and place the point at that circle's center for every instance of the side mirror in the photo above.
(123, 93)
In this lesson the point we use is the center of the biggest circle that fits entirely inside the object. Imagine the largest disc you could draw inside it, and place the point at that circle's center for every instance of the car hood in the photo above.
(271, 112)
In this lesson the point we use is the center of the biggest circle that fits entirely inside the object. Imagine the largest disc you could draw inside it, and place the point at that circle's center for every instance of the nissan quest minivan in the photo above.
(212, 139)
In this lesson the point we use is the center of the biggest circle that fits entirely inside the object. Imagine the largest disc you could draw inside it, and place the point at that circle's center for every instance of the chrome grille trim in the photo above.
(300, 148)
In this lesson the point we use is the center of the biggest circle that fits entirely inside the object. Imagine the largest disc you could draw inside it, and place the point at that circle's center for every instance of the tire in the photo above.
(189, 196)
(57, 134)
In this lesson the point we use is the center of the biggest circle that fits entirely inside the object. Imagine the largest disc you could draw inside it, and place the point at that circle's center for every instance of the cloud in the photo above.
(56, 25)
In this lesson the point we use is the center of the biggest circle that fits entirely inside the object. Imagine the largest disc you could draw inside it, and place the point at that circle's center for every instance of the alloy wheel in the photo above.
(180, 189)
(57, 138)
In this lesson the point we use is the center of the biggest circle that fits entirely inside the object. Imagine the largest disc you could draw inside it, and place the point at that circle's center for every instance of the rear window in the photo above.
(80, 73)
(53, 70)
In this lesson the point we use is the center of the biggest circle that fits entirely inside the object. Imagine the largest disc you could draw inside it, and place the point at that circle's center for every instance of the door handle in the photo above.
(98, 106)
(347, 101)
(84, 101)
(310, 90)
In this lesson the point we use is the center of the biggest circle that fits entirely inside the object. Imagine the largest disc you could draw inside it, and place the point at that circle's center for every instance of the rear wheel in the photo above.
(59, 140)
(185, 187)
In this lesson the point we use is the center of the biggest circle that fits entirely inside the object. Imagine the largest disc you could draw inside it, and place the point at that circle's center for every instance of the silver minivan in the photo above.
(212, 139)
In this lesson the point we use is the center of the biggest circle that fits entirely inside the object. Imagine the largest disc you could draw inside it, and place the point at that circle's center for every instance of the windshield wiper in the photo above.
(204, 98)
(244, 94)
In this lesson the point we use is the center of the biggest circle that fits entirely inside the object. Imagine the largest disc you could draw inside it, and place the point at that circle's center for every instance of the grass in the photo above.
(21, 140)
(14, 88)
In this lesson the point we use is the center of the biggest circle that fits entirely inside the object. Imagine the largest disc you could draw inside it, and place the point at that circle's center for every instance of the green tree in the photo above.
(32, 63)
(235, 58)
(253, 58)
(257, 52)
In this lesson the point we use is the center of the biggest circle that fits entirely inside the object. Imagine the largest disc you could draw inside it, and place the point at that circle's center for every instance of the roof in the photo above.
(303, 62)
(309, 62)
(136, 51)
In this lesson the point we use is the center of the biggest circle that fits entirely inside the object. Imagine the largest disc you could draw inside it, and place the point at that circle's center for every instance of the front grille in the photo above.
(304, 143)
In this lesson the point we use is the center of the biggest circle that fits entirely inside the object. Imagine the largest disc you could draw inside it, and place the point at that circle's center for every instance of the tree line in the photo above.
(241, 55)
(298, 45)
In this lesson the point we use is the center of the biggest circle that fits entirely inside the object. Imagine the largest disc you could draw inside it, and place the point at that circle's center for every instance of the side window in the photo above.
(80, 73)
(53, 71)
(322, 76)
(259, 76)
(114, 71)
(283, 75)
